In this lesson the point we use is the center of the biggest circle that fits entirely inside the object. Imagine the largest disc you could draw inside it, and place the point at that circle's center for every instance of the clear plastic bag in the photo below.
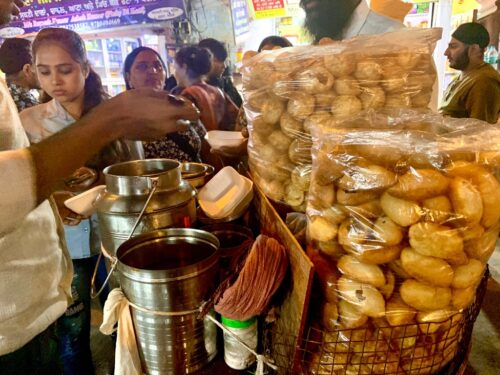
(290, 90)
(297, 224)
(403, 214)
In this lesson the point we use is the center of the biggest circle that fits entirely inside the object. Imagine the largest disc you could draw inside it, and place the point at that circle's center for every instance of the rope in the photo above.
(162, 313)
(261, 359)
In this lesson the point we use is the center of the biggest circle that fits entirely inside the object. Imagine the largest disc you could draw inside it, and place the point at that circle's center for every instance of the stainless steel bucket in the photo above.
(128, 188)
(170, 272)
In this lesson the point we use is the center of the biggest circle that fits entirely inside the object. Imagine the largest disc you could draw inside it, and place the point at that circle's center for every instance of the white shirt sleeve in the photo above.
(17, 190)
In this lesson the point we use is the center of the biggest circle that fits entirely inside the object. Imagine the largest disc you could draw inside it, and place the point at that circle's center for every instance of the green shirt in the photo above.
(474, 94)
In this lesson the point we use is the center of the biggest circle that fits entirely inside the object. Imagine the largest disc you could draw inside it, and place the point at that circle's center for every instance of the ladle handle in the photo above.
(153, 189)
(92, 284)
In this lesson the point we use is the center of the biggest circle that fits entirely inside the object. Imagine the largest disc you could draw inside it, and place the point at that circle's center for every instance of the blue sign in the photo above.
(90, 15)
(241, 20)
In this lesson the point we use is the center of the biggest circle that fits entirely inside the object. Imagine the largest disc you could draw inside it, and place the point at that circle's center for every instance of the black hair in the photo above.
(197, 60)
(274, 40)
(215, 47)
(72, 43)
(14, 54)
(129, 61)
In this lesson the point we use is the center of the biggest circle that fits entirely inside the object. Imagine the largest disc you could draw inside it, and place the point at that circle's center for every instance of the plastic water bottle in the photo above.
(491, 56)
(236, 355)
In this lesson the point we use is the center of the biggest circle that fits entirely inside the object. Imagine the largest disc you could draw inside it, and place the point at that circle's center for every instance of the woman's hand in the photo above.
(233, 151)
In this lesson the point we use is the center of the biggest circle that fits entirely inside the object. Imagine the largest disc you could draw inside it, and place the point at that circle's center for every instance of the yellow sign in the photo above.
(271, 13)
(267, 8)
(464, 6)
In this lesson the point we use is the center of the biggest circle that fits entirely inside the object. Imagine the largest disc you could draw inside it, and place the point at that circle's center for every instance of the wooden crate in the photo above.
(292, 311)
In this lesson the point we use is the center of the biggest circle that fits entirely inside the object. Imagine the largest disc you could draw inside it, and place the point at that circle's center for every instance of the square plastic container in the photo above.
(221, 138)
(224, 193)
(83, 204)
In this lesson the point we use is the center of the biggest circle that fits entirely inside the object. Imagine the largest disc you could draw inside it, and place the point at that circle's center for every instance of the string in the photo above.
(261, 359)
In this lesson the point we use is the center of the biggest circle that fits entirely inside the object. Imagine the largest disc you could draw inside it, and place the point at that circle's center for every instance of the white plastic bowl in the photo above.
(222, 195)
(220, 138)
(83, 204)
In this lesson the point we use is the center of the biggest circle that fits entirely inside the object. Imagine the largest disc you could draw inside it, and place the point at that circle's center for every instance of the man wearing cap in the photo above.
(15, 62)
(475, 92)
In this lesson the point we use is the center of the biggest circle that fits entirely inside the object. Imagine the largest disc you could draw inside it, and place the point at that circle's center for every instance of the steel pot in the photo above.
(167, 275)
(197, 174)
(151, 190)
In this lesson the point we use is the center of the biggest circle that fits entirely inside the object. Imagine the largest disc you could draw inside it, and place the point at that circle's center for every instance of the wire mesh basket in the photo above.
(378, 348)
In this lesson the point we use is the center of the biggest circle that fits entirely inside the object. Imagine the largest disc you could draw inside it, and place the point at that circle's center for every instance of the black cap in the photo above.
(14, 54)
(472, 33)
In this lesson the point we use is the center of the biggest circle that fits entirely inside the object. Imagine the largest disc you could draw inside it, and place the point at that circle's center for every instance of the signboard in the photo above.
(241, 19)
(268, 8)
(91, 15)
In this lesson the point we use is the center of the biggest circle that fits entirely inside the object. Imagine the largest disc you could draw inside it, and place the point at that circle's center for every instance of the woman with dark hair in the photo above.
(217, 111)
(143, 74)
(143, 68)
(65, 75)
(272, 42)
(71, 89)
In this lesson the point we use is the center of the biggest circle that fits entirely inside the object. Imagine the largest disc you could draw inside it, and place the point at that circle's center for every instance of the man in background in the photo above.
(344, 19)
(16, 62)
(219, 76)
(475, 92)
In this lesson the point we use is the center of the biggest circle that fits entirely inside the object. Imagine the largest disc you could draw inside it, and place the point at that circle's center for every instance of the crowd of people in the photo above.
(48, 253)
(56, 63)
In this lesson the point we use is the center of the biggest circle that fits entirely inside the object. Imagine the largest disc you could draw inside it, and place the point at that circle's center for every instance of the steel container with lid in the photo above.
(152, 185)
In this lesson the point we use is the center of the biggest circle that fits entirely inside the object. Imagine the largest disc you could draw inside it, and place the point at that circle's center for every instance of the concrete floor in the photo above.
(484, 358)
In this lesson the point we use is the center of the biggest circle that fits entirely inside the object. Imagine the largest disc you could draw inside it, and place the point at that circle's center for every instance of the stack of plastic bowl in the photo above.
(226, 196)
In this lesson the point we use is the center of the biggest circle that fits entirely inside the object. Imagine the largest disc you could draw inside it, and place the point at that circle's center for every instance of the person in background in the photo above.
(36, 271)
(219, 75)
(16, 63)
(344, 19)
(144, 68)
(66, 76)
(273, 41)
(475, 92)
(191, 64)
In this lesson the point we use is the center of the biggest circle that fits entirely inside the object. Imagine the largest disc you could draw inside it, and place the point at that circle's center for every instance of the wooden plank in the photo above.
(292, 312)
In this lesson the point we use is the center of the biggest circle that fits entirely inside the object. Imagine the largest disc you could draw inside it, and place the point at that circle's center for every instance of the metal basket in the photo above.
(378, 348)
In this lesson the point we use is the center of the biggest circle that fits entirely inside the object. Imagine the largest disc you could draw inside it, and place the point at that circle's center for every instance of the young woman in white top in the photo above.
(66, 76)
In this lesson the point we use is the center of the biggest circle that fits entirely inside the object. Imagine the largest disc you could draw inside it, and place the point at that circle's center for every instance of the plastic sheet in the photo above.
(403, 214)
(290, 90)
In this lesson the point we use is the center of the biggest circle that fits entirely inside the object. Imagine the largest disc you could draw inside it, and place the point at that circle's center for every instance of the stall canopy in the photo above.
(90, 15)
